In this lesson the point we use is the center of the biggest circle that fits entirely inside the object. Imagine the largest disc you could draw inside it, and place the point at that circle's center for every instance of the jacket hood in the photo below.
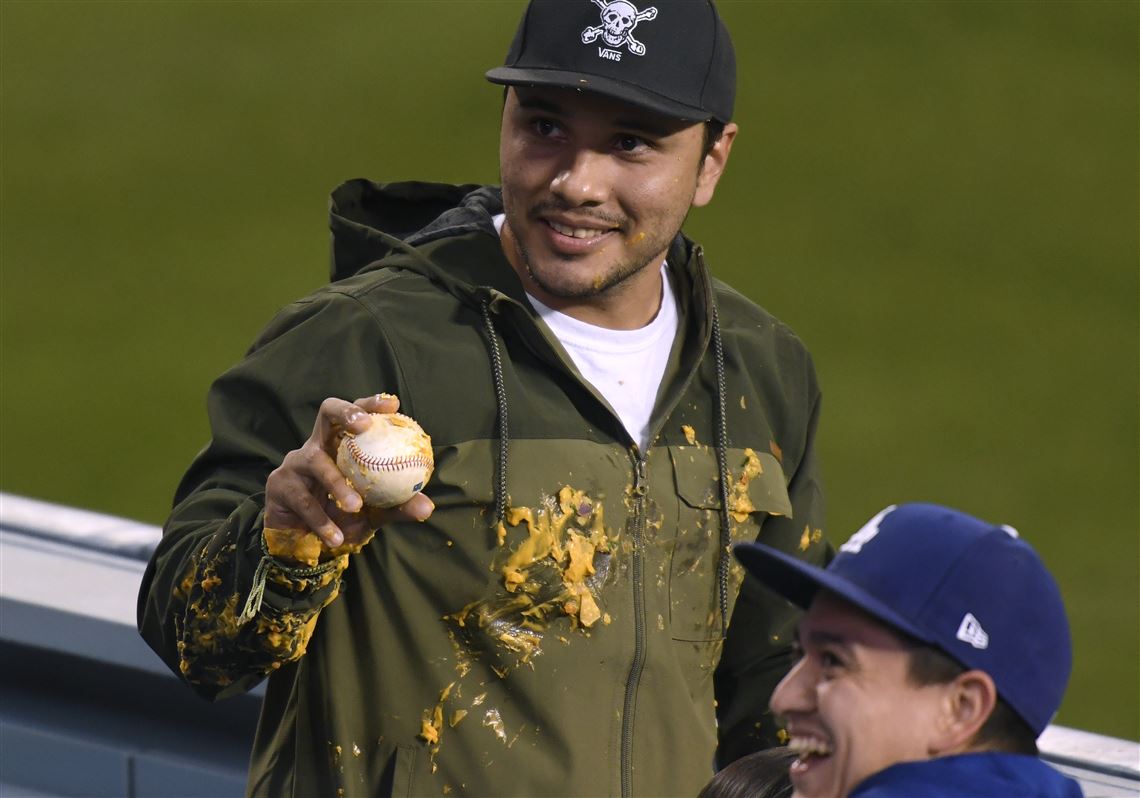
(370, 221)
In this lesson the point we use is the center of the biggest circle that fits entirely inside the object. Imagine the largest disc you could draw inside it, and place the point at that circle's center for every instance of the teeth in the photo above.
(576, 232)
(809, 745)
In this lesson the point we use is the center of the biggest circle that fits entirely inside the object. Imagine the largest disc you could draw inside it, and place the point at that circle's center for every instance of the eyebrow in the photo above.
(829, 637)
(539, 104)
(630, 124)
(818, 636)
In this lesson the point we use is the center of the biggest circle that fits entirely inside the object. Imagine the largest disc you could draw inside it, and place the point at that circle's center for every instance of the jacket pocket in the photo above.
(396, 780)
(757, 489)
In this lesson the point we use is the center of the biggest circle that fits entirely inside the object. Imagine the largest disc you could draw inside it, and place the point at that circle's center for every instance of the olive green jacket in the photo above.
(555, 627)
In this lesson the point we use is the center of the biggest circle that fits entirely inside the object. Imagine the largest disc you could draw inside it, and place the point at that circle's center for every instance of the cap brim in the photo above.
(799, 582)
(626, 92)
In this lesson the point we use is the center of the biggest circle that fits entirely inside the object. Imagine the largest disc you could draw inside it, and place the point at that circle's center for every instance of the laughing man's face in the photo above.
(849, 707)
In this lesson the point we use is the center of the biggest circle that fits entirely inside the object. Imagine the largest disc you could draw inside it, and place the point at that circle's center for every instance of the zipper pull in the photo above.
(641, 481)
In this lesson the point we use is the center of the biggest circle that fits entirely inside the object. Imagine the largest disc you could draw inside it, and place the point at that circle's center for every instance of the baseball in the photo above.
(389, 462)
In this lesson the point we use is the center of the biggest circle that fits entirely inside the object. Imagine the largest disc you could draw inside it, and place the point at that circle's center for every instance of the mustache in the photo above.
(579, 213)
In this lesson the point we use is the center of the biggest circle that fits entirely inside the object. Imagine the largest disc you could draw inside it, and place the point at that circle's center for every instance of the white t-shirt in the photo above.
(625, 366)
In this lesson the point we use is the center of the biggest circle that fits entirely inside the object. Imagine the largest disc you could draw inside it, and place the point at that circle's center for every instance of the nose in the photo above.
(795, 692)
(584, 180)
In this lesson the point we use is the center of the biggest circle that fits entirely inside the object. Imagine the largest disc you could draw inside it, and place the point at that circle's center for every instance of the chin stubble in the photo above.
(609, 279)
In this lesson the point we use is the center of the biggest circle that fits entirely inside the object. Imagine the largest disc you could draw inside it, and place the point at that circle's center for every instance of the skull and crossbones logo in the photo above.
(619, 18)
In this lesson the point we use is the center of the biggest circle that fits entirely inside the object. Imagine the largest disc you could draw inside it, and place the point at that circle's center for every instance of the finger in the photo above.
(333, 416)
(417, 508)
(379, 403)
(338, 416)
(356, 417)
(326, 477)
(317, 473)
(357, 528)
(290, 503)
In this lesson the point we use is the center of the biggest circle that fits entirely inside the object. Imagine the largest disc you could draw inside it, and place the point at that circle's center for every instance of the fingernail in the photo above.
(336, 539)
(353, 503)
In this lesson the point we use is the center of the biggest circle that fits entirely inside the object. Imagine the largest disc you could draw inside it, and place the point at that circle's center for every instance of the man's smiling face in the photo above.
(594, 191)
(849, 706)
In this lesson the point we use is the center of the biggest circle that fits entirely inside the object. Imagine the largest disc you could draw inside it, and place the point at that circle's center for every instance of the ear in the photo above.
(967, 703)
(713, 166)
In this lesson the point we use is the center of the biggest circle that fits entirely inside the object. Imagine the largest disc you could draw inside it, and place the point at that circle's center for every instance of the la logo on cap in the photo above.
(619, 18)
(856, 542)
(971, 631)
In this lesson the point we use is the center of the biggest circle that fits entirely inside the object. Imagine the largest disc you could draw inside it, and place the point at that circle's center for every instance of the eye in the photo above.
(630, 143)
(545, 128)
(830, 662)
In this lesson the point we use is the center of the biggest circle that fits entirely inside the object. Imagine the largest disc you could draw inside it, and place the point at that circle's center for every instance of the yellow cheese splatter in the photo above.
(431, 726)
(589, 613)
(741, 502)
(809, 537)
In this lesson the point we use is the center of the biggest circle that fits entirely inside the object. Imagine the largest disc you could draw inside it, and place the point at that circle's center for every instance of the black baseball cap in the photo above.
(673, 57)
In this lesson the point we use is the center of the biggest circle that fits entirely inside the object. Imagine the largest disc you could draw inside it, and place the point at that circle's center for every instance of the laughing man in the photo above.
(934, 651)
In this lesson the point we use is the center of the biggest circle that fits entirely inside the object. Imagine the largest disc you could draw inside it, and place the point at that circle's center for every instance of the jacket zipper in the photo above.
(640, 489)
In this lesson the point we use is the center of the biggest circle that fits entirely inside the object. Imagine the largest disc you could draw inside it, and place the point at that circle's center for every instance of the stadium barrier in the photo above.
(86, 708)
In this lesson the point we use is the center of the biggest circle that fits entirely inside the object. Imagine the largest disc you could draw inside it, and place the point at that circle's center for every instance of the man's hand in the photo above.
(308, 491)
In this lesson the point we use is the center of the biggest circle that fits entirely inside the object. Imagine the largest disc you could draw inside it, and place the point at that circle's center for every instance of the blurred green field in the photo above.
(940, 197)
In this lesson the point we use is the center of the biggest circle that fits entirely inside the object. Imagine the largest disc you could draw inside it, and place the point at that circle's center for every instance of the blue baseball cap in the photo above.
(969, 588)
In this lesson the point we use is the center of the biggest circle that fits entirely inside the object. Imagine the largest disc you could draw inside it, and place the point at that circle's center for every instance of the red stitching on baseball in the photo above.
(386, 463)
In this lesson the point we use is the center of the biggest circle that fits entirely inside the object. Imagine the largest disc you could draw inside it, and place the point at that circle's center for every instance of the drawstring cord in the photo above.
(257, 592)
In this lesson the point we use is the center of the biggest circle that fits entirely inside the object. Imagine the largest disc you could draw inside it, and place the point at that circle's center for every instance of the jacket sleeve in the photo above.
(215, 604)
(758, 649)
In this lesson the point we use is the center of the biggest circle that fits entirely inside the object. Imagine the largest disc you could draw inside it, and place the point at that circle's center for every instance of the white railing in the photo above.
(69, 580)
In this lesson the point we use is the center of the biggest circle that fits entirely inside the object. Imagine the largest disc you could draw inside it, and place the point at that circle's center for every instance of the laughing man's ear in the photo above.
(713, 166)
(968, 702)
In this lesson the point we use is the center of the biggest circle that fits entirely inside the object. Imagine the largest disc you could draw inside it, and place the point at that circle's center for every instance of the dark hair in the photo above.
(1004, 730)
(713, 131)
(762, 774)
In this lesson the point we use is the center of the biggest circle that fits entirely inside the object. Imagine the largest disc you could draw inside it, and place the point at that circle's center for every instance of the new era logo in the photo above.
(971, 631)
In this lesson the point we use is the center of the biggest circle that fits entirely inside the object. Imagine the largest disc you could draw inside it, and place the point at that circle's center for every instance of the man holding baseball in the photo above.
(557, 612)
(935, 649)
